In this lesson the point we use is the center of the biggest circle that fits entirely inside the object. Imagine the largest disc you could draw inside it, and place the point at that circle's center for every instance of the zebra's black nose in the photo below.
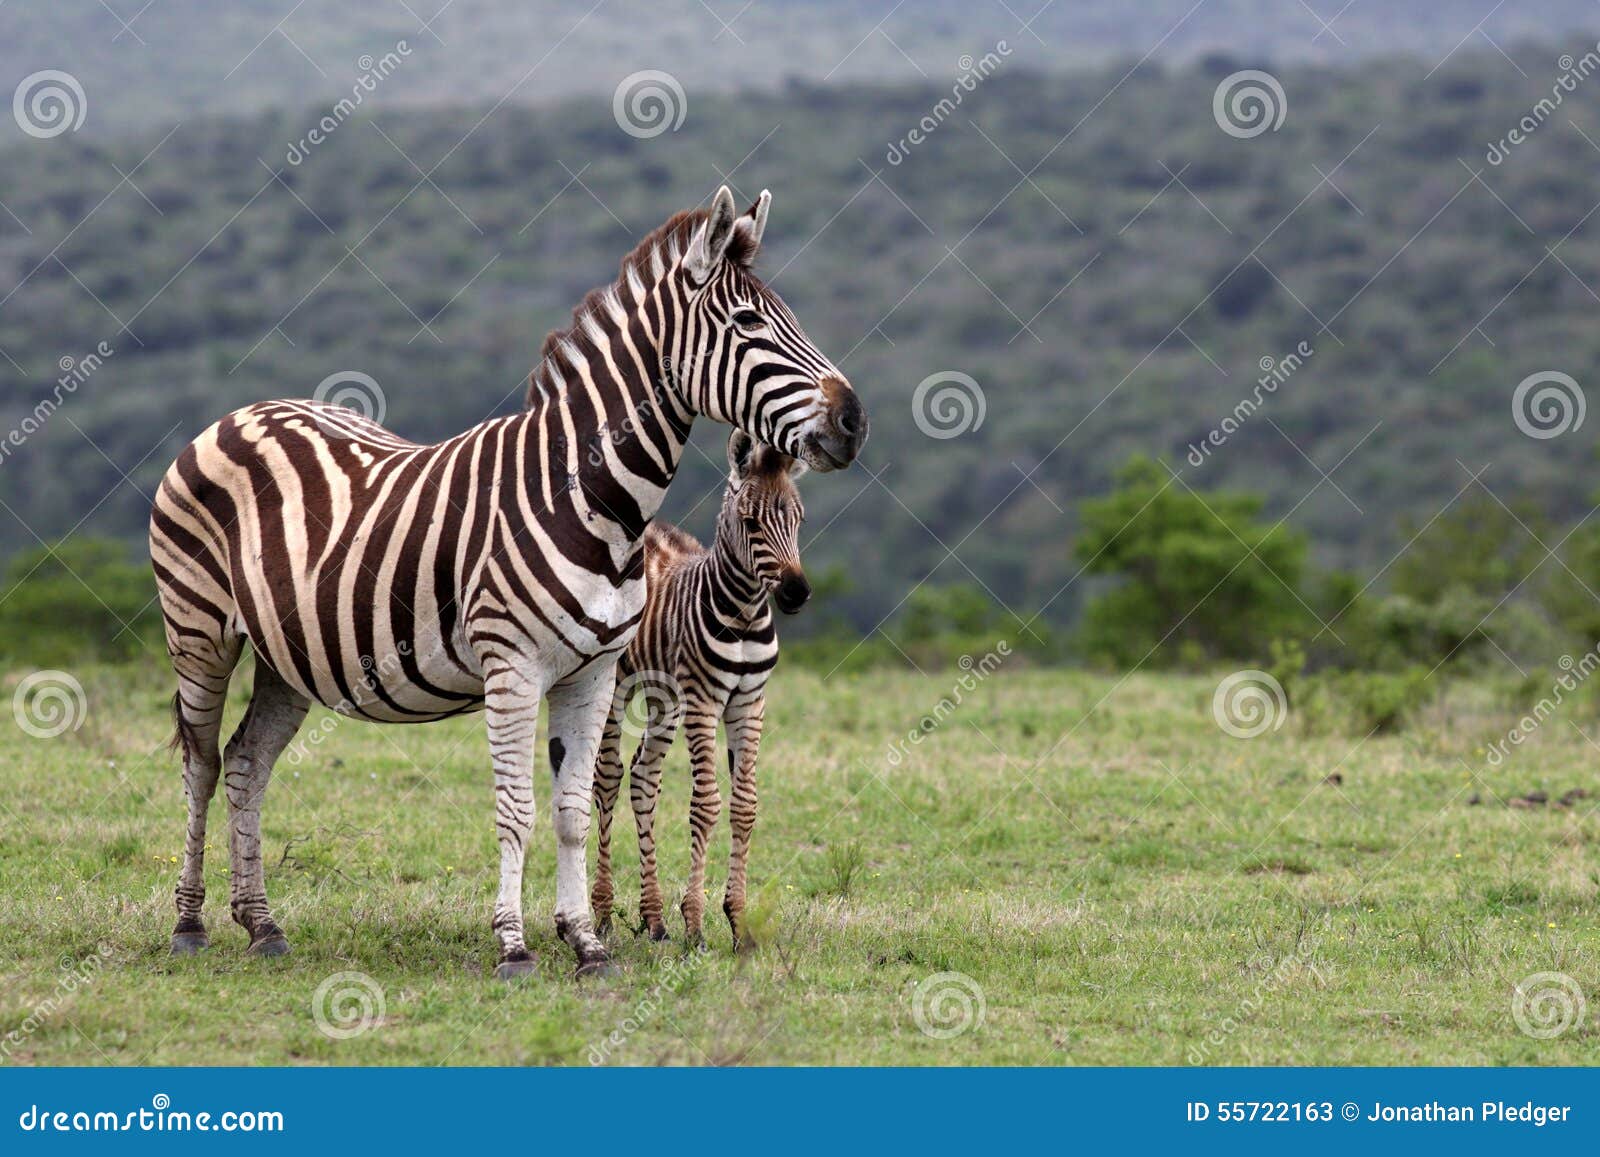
(792, 593)
(846, 428)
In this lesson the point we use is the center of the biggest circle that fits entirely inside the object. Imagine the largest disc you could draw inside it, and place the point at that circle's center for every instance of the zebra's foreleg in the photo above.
(607, 782)
(743, 723)
(511, 711)
(705, 806)
(275, 714)
(578, 711)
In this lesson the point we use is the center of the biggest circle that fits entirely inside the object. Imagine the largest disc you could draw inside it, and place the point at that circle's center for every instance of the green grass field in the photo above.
(1118, 881)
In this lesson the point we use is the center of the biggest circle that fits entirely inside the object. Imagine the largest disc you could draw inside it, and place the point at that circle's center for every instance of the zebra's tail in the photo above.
(183, 737)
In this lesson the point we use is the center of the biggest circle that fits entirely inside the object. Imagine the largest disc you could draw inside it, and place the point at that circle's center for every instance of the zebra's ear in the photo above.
(754, 222)
(741, 453)
(711, 239)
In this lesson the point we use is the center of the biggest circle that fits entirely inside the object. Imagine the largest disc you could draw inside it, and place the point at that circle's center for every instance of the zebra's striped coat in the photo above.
(702, 655)
(398, 582)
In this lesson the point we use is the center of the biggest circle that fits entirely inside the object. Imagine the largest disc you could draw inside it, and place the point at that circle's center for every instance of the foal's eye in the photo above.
(747, 318)
(751, 526)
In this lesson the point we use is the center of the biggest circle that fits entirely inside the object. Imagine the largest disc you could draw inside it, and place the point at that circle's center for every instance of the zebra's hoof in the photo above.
(513, 969)
(598, 968)
(189, 943)
(660, 933)
(272, 944)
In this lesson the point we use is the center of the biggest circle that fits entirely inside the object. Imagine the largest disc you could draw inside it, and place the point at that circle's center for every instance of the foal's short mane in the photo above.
(644, 264)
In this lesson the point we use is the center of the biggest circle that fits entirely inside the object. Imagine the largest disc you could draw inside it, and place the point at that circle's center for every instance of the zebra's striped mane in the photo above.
(641, 268)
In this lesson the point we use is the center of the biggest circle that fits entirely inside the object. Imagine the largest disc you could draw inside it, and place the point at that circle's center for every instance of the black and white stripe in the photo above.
(399, 582)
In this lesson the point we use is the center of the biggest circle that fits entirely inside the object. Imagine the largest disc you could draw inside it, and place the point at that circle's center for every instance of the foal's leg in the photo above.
(743, 722)
(705, 806)
(578, 711)
(275, 714)
(644, 789)
(607, 781)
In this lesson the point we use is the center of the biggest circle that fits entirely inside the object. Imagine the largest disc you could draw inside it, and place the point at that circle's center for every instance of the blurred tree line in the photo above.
(235, 286)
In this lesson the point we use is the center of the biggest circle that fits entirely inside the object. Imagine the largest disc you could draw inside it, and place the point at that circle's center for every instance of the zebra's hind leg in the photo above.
(578, 711)
(607, 781)
(275, 713)
(197, 709)
(743, 723)
(705, 807)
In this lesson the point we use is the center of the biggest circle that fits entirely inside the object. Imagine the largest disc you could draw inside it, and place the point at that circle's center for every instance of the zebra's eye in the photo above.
(751, 526)
(747, 319)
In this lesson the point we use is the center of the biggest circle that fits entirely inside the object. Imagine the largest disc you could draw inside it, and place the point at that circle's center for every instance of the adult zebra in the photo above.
(402, 583)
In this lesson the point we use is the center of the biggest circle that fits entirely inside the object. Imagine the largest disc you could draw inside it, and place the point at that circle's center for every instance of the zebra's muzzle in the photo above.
(792, 593)
(843, 429)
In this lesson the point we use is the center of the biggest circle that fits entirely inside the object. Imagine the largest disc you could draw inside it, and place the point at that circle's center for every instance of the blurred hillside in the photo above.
(175, 60)
(1111, 269)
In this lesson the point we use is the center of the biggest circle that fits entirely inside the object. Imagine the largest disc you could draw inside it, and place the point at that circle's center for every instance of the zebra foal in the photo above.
(493, 570)
(703, 653)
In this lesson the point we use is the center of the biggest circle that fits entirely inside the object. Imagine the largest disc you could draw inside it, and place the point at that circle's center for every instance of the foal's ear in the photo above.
(741, 453)
(710, 242)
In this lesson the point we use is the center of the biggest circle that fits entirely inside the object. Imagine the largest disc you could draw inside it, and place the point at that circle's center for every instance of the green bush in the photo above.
(82, 600)
(1197, 576)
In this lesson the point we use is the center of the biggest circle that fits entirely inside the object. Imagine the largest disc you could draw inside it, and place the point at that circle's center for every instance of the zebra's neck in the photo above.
(738, 595)
(610, 423)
